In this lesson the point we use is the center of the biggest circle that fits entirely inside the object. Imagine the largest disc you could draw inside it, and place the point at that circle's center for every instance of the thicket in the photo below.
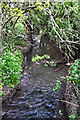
(60, 20)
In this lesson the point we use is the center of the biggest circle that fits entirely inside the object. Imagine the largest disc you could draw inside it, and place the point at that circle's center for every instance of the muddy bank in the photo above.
(71, 97)
(9, 93)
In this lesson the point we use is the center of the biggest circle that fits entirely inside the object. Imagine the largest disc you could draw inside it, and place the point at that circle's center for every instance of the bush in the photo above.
(74, 73)
(11, 67)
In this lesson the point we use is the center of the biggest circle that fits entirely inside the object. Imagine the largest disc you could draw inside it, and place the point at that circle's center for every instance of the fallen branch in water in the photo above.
(59, 68)
(68, 102)
(67, 64)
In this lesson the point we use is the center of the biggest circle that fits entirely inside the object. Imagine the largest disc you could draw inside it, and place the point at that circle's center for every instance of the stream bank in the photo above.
(71, 99)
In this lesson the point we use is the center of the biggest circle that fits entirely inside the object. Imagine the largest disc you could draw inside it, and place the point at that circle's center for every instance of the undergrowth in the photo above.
(10, 72)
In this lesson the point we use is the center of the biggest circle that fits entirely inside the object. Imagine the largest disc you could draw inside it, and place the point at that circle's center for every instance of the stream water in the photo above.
(36, 99)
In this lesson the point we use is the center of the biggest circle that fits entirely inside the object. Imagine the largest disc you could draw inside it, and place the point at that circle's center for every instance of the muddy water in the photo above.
(36, 99)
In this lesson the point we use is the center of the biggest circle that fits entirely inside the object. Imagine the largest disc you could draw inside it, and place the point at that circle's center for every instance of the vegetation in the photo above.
(73, 78)
(11, 66)
(74, 75)
(60, 20)
(38, 58)
(10, 63)
(45, 59)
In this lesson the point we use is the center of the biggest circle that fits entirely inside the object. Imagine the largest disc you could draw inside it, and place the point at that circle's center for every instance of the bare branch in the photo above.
(7, 46)
(15, 22)
(67, 102)
(52, 20)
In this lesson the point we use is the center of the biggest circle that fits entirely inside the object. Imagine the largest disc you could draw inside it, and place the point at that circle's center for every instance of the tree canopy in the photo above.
(58, 19)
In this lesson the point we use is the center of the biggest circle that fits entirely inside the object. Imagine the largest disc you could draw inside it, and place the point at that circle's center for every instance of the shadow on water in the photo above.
(37, 98)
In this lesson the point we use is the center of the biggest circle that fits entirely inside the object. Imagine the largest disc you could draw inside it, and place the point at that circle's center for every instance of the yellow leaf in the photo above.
(5, 6)
(26, 17)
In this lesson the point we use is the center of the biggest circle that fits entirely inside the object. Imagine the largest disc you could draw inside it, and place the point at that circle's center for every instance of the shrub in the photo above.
(11, 67)
(74, 73)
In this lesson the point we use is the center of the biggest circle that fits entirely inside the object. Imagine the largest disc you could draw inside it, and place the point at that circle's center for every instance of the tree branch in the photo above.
(7, 46)
(68, 102)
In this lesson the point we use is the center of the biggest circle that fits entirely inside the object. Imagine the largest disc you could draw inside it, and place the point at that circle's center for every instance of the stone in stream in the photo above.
(48, 105)
(13, 105)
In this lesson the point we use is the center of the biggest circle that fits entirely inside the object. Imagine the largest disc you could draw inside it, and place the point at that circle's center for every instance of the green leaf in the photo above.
(72, 116)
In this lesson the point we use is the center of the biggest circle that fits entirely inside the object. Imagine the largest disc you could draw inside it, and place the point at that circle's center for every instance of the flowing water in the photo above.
(36, 99)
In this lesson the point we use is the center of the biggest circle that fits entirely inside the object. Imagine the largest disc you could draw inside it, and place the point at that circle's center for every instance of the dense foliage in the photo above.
(58, 19)
(61, 21)
(11, 67)
(12, 34)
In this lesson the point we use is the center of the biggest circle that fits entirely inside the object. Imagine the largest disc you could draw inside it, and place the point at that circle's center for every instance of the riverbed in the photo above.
(36, 98)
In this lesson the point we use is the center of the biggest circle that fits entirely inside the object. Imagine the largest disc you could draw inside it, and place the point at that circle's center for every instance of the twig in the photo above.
(68, 102)
(54, 27)
(59, 68)
(16, 22)
(6, 22)
(73, 42)
(7, 46)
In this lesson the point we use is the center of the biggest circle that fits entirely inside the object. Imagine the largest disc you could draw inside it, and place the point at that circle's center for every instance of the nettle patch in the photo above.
(45, 59)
